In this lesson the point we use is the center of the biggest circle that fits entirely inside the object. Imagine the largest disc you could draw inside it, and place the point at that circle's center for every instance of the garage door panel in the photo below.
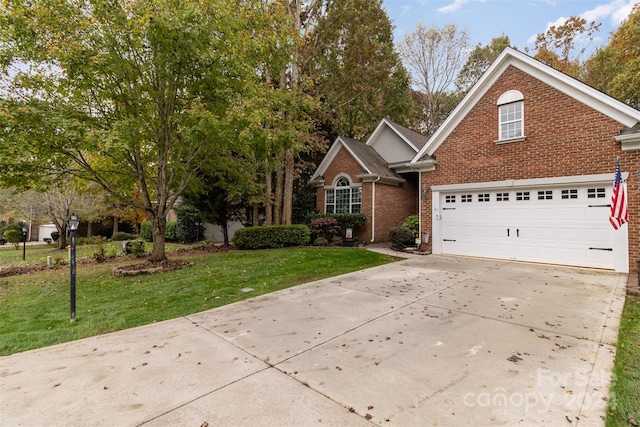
(562, 227)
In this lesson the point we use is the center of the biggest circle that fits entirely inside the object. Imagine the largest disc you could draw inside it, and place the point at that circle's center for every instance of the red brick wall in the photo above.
(563, 137)
(394, 203)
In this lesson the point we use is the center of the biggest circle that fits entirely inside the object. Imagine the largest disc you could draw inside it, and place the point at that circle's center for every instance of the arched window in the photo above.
(511, 115)
(343, 197)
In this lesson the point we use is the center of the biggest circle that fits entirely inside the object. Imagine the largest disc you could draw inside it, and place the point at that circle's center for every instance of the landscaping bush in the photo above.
(276, 236)
(412, 222)
(321, 241)
(146, 231)
(353, 221)
(55, 236)
(171, 232)
(134, 247)
(119, 236)
(13, 236)
(401, 237)
(325, 227)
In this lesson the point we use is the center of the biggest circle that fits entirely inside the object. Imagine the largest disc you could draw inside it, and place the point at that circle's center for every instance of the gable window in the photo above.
(343, 197)
(510, 116)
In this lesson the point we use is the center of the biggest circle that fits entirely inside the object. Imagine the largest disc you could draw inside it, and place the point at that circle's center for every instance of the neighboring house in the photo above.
(521, 169)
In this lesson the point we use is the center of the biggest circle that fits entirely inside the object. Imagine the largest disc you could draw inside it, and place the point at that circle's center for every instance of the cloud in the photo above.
(456, 5)
(616, 11)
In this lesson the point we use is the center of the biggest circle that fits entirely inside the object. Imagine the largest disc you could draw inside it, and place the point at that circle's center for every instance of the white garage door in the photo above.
(566, 225)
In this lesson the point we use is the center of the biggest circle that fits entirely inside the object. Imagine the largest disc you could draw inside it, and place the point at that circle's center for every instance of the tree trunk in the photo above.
(277, 205)
(256, 218)
(89, 229)
(225, 234)
(268, 205)
(115, 225)
(287, 208)
(159, 226)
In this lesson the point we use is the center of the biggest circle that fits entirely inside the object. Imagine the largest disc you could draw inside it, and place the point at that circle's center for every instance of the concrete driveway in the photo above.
(428, 341)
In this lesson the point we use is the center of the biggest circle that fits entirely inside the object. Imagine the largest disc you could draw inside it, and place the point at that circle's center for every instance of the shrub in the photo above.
(412, 222)
(325, 227)
(134, 247)
(336, 240)
(55, 236)
(47, 240)
(122, 236)
(276, 236)
(13, 236)
(321, 241)
(170, 232)
(353, 221)
(146, 231)
(401, 237)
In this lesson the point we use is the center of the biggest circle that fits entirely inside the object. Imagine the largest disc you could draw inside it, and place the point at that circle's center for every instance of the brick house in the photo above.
(373, 178)
(521, 169)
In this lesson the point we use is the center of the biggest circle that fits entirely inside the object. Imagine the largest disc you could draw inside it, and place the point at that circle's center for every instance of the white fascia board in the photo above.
(629, 142)
(535, 182)
(423, 166)
(385, 122)
(331, 154)
(326, 161)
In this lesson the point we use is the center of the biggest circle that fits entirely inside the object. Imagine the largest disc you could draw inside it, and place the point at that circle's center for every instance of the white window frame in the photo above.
(511, 99)
(352, 195)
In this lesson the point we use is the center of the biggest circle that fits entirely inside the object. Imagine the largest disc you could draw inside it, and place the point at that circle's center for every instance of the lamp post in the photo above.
(72, 223)
(24, 240)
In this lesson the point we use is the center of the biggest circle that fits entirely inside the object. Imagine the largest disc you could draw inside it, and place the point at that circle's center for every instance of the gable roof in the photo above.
(373, 165)
(597, 100)
(412, 138)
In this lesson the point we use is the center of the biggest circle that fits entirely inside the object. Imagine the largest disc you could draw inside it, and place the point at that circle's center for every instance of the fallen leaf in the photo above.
(205, 424)
(633, 421)
(368, 416)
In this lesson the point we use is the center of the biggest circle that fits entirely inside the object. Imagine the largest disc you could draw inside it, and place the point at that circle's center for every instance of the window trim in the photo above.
(510, 97)
(351, 187)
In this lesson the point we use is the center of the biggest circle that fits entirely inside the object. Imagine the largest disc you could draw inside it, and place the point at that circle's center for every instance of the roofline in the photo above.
(597, 100)
(331, 154)
(389, 123)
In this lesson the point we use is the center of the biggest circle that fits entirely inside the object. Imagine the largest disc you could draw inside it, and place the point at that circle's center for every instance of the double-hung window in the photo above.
(510, 116)
(343, 197)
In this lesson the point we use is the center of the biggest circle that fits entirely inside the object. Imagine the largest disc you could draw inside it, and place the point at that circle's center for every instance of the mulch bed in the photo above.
(145, 267)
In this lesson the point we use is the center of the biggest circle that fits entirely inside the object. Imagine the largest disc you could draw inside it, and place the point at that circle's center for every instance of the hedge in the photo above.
(354, 220)
(275, 236)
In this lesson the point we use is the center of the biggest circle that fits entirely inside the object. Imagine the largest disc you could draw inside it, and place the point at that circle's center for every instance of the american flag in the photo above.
(619, 213)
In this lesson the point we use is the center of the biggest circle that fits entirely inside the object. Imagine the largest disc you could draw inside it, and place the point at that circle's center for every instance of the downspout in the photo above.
(373, 208)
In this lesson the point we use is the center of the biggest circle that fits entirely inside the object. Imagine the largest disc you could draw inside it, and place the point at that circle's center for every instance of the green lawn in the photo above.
(34, 308)
(624, 398)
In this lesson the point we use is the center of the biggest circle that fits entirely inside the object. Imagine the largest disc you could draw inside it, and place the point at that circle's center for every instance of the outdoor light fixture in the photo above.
(425, 191)
(24, 240)
(72, 224)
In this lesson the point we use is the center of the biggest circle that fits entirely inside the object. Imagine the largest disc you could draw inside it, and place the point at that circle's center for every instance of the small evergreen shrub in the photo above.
(321, 241)
(171, 231)
(134, 247)
(401, 237)
(13, 236)
(276, 236)
(55, 236)
(47, 240)
(412, 222)
(336, 240)
(122, 236)
(146, 231)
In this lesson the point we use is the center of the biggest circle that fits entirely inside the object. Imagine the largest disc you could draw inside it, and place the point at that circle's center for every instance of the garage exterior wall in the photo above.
(564, 137)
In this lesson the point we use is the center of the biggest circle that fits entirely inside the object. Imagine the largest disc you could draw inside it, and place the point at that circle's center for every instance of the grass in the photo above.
(624, 400)
(34, 308)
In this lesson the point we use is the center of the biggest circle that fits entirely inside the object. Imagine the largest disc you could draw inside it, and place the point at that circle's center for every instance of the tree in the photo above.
(351, 58)
(615, 68)
(434, 56)
(129, 94)
(479, 60)
(562, 46)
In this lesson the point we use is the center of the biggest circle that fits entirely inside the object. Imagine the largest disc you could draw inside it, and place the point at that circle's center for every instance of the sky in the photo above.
(521, 20)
